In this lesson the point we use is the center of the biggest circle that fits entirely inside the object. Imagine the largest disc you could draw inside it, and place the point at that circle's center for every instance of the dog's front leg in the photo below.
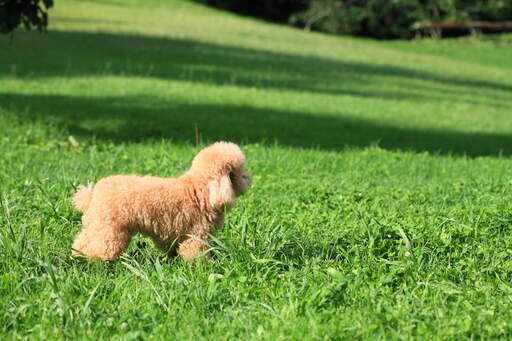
(193, 247)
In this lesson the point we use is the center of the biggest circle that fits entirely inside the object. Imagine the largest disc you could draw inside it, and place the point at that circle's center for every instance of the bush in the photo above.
(382, 19)
(28, 12)
(394, 19)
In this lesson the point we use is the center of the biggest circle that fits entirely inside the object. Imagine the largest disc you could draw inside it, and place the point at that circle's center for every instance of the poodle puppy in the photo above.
(177, 213)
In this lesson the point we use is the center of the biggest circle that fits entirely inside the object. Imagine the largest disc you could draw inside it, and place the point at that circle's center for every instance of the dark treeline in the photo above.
(383, 19)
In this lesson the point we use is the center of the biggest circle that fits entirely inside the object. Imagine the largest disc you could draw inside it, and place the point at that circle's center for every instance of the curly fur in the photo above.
(82, 198)
(177, 213)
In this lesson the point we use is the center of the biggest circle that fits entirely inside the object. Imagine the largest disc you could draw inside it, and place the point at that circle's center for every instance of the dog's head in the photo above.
(223, 165)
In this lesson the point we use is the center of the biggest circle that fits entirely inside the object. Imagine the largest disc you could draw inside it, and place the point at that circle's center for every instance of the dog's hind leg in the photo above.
(105, 243)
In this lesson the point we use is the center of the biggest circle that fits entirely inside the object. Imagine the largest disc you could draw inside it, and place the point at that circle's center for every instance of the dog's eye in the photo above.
(231, 176)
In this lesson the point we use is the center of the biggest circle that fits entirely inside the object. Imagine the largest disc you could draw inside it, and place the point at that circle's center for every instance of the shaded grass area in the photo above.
(230, 67)
(135, 121)
(167, 58)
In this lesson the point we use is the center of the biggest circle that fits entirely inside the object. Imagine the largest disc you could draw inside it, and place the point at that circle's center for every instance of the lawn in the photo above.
(381, 205)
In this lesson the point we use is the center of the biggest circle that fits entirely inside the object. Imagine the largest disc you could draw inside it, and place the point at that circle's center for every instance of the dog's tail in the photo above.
(82, 197)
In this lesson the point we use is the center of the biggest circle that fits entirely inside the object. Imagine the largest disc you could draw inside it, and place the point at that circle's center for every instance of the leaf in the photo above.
(48, 3)
(73, 142)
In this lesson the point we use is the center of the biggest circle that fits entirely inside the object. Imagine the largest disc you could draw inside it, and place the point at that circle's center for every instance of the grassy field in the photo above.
(381, 205)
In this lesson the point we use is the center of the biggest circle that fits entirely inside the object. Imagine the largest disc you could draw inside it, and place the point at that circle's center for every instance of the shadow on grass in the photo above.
(131, 120)
(85, 53)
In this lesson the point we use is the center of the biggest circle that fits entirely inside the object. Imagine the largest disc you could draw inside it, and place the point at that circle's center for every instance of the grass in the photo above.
(382, 199)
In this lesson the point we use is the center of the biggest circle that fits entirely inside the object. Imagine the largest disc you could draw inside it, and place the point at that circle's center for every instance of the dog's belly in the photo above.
(166, 224)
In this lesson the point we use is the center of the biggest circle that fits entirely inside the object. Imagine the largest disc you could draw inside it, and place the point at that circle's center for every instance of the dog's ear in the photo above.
(221, 193)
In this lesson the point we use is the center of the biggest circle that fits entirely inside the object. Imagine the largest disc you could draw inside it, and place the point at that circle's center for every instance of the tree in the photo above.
(32, 13)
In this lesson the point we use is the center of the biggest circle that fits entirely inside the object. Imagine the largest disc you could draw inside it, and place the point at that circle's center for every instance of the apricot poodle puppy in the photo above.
(177, 213)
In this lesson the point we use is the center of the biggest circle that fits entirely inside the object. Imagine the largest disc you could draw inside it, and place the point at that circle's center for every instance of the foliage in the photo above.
(394, 19)
(32, 13)
(377, 18)
(374, 18)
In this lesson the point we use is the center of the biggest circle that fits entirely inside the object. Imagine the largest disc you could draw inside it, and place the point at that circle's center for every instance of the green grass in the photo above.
(381, 205)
